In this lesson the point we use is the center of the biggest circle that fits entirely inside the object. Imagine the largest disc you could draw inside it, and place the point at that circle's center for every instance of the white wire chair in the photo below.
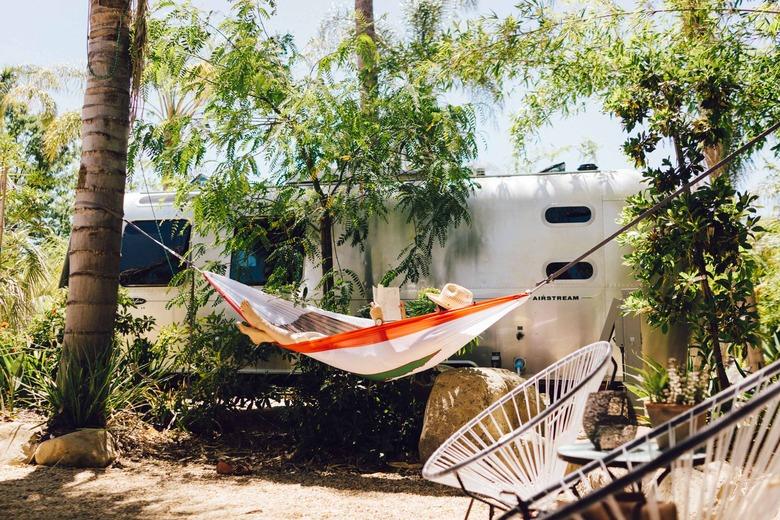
(508, 451)
(727, 469)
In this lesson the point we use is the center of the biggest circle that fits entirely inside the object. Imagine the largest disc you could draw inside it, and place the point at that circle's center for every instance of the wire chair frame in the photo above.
(738, 453)
(509, 450)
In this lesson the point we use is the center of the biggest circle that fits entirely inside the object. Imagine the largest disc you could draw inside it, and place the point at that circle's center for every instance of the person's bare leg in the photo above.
(263, 326)
(257, 336)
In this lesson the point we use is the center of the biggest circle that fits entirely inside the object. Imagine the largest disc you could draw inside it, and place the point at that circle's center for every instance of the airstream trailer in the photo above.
(523, 228)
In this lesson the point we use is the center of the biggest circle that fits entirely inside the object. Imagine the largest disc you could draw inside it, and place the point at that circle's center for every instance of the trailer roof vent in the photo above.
(587, 167)
(555, 168)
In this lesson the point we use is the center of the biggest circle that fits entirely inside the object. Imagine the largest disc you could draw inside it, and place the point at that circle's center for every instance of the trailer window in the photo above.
(250, 267)
(253, 263)
(580, 270)
(568, 214)
(143, 261)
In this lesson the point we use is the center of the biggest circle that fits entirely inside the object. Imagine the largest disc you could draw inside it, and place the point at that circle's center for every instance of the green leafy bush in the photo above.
(767, 249)
(130, 378)
(12, 368)
(335, 413)
(210, 355)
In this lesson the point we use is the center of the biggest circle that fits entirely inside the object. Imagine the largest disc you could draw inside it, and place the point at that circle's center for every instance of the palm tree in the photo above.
(93, 255)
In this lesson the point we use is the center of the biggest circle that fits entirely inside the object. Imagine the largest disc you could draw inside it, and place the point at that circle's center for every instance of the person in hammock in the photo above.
(260, 330)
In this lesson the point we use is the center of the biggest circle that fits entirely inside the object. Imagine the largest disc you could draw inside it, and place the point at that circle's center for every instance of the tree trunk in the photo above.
(364, 24)
(326, 247)
(97, 227)
(709, 301)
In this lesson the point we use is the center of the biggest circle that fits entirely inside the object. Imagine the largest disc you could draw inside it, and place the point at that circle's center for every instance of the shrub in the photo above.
(767, 250)
(336, 413)
(129, 378)
(12, 368)
(210, 355)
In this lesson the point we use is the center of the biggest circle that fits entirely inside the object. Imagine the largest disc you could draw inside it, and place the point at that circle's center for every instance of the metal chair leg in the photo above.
(468, 511)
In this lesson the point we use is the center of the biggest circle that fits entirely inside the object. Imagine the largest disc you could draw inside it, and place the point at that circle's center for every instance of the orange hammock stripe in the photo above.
(395, 329)
(370, 335)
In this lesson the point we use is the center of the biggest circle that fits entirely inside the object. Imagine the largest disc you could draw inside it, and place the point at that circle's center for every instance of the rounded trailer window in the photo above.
(579, 271)
(568, 215)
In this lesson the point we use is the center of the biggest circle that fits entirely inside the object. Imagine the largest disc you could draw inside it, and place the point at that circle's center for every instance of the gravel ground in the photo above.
(161, 489)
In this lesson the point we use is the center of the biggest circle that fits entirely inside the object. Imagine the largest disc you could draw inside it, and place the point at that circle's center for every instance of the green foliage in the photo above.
(12, 370)
(719, 223)
(38, 150)
(568, 56)
(694, 79)
(130, 379)
(37, 154)
(210, 355)
(88, 395)
(772, 348)
(28, 274)
(310, 153)
(671, 384)
(767, 248)
(333, 413)
(422, 304)
(650, 381)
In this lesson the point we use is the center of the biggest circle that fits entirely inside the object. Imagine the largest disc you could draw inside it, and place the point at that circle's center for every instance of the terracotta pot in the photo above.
(659, 413)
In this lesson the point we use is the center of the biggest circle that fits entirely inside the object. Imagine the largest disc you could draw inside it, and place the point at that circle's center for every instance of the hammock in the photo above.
(380, 352)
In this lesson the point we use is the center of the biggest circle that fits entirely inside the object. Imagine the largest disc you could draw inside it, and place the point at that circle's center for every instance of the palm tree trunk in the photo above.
(97, 228)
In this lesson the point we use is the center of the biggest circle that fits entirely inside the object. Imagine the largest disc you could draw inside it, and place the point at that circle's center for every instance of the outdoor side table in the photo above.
(583, 452)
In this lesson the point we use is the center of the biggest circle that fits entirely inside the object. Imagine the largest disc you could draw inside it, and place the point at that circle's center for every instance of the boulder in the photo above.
(459, 395)
(17, 442)
(87, 448)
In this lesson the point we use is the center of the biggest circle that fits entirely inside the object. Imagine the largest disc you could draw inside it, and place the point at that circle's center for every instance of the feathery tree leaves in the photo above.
(690, 77)
(303, 151)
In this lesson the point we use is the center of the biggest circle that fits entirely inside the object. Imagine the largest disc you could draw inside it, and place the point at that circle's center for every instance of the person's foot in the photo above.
(256, 335)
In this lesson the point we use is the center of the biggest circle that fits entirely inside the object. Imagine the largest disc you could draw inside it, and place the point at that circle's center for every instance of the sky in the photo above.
(53, 32)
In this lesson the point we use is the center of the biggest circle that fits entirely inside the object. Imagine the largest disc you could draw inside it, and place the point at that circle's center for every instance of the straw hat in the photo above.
(452, 296)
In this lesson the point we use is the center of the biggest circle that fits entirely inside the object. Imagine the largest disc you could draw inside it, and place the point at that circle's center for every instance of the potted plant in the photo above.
(668, 392)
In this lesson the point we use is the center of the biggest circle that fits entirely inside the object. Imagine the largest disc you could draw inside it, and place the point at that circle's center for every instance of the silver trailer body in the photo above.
(523, 227)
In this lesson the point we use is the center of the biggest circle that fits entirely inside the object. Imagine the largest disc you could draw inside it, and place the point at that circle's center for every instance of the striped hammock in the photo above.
(380, 352)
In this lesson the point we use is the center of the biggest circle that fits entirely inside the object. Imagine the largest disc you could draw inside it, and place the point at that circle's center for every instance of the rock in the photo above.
(17, 442)
(232, 468)
(459, 395)
(87, 448)
(224, 468)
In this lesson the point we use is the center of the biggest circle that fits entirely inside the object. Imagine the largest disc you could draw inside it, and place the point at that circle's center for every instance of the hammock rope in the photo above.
(400, 348)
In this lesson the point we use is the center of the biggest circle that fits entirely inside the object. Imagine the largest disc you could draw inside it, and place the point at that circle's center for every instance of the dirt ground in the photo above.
(164, 479)
(161, 490)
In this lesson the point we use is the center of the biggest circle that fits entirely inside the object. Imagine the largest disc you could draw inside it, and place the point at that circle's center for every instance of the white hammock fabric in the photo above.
(727, 469)
(510, 450)
(357, 345)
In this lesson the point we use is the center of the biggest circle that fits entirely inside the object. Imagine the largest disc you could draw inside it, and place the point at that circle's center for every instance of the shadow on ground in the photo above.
(44, 492)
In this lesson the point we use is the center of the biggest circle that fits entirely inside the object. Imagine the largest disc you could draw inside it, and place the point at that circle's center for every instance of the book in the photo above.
(389, 298)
